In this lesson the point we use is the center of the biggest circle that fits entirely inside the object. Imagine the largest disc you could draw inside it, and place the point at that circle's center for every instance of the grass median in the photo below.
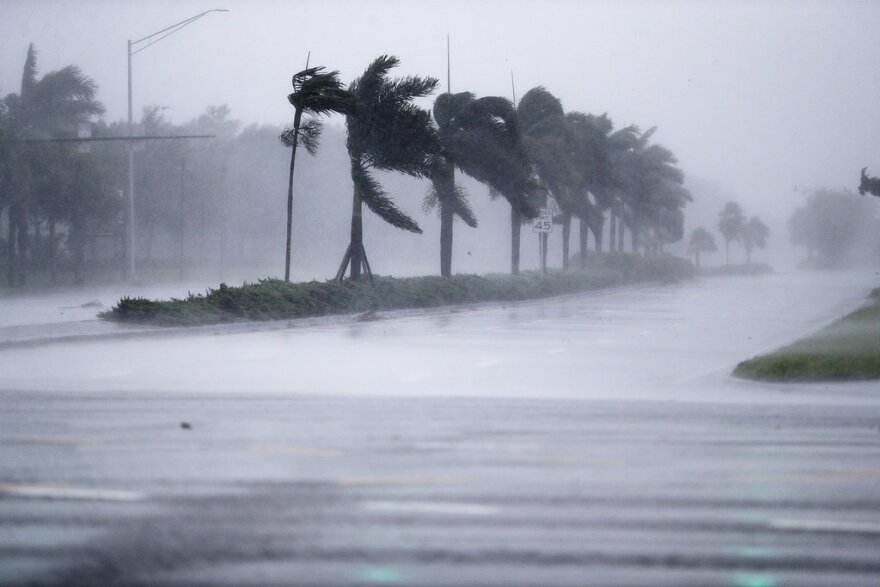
(272, 299)
(848, 349)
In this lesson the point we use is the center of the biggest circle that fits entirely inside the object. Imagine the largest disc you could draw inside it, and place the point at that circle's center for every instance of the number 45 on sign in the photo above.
(544, 221)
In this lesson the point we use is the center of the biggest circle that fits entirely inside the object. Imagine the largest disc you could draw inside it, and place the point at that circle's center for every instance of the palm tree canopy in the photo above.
(552, 147)
(480, 137)
(388, 130)
(702, 241)
(318, 92)
(55, 104)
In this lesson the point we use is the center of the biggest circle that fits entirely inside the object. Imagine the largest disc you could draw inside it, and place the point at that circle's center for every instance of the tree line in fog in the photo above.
(61, 203)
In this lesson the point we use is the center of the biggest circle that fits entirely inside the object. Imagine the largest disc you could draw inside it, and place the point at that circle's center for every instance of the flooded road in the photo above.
(593, 439)
(651, 342)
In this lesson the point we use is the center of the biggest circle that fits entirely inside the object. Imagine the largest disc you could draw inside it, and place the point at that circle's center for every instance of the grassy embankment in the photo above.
(848, 349)
(273, 299)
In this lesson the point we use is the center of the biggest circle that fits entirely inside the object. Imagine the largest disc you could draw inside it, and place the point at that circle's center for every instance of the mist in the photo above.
(439, 292)
(756, 99)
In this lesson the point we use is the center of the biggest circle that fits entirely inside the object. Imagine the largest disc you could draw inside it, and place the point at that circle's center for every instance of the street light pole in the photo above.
(149, 40)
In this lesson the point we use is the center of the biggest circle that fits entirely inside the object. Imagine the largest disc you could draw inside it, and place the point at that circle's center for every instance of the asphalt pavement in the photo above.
(582, 441)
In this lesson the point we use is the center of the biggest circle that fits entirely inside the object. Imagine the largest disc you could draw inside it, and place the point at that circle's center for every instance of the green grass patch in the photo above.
(272, 299)
(848, 349)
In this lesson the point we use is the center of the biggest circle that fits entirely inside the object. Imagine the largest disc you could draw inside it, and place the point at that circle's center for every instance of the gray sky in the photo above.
(759, 96)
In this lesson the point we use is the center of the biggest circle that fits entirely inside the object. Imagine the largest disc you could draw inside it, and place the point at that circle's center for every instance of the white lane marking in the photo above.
(841, 526)
(430, 507)
(62, 492)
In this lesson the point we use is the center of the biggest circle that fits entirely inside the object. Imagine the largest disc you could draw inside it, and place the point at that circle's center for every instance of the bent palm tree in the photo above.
(387, 132)
(552, 146)
(479, 137)
(316, 93)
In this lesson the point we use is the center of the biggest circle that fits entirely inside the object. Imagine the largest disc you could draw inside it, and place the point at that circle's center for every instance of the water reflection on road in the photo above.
(676, 341)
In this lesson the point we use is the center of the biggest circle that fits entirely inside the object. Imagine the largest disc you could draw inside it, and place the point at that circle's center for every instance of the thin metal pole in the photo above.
(448, 68)
(513, 88)
(130, 271)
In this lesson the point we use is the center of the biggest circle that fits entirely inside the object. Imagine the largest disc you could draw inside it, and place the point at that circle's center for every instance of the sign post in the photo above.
(542, 225)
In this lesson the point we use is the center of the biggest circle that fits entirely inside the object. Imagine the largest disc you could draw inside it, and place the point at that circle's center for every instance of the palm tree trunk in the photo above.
(697, 259)
(727, 252)
(584, 233)
(515, 225)
(545, 236)
(53, 252)
(445, 240)
(296, 121)
(597, 233)
(566, 236)
(10, 246)
(634, 239)
(612, 232)
(357, 234)
(21, 265)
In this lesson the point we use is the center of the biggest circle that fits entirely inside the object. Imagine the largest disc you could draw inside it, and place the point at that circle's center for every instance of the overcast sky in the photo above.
(760, 96)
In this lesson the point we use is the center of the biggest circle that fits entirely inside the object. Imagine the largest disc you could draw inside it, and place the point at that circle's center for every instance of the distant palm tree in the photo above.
(551, 145)
(49, 107)
(478, 136)
(731, 223)
(701, 241)
(318, 93)
(592, 157)
(387, 132)
(754, 234)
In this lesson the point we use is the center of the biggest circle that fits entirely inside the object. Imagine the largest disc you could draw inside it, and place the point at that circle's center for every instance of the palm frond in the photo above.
(378, 201)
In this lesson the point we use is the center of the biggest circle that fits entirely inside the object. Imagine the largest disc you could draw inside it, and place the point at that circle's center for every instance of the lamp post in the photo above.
(134, 49)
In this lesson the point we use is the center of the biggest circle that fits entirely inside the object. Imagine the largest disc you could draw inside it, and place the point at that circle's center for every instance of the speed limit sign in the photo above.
(544, 221)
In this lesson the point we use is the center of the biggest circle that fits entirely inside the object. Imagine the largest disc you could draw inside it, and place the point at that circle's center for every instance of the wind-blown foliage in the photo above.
(315, 92)
(478, 136)
(551, 144)
(731, 223)
(45, 181)
(389, 132)
(701, 241)
(755, 234)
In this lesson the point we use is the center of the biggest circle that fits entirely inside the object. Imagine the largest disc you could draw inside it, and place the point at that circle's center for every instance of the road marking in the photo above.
(64, 492)
(839, 526)
(442, 508)
(403, 480)
(284, 449)
(54, 441)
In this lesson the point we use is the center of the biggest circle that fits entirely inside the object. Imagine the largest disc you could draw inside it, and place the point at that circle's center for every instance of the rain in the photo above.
(439, 293)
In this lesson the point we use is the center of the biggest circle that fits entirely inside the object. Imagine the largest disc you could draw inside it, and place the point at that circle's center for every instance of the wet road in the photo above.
(591, 440)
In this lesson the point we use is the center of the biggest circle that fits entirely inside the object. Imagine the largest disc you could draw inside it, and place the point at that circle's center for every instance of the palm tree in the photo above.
(701, 241)
(387, 132)
(50, 107)
(551, 145)
(622, 154)
(479, 137)
(317, 93)
(593, 158)
(731, 223)
(754, 233)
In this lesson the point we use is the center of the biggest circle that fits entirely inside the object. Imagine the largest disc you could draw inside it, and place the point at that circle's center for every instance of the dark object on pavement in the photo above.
(186, 425)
